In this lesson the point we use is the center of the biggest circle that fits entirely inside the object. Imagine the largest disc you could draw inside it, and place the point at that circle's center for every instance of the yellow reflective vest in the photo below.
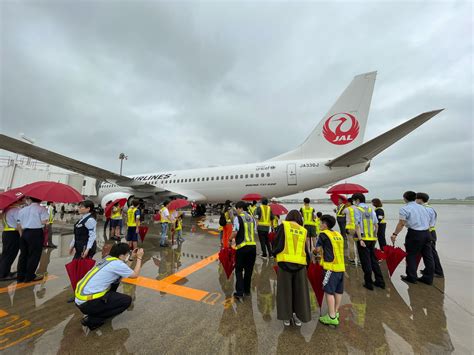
(51, 214)
(351, 224)
(80, 295)
(340, 210)
(252, 209)
(308, 214)
(249, 232)
(179, 224)
(367, 224)
(131, 220)
(163, 218)
(318, 226)
(295, 241)
(337, 242)
(6, 227)
(264, 219)
(116, 213)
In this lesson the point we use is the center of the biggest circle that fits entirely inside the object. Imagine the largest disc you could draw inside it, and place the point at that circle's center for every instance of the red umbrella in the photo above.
(278, 209)
(251, 197)
(395, 255)
(379, 254)
(108, 209)
(315, 277)
(10, 197)
(178, 203)
(347, 188)
(335, 198)
(142, 231)
(77, 269)
(51, 191)
(227, 259)
(271, 236)
(157, 217)
(275, 267)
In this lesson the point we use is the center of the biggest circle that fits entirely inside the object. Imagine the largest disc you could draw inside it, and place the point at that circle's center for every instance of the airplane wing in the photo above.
(370, 149)
(49, 157)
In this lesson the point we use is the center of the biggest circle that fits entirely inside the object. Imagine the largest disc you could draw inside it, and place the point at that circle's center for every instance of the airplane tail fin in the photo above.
(343, 127)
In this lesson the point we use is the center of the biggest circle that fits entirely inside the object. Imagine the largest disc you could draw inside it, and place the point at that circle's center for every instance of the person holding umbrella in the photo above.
(292, 256)
(264, 216)
(84, 245)
(31, 219)
(10, 241)
(366, 231)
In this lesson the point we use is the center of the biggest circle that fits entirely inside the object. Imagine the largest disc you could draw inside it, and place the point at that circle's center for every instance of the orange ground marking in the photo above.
(3, 313)
(190, 269)
(159, 285)
(17, 286)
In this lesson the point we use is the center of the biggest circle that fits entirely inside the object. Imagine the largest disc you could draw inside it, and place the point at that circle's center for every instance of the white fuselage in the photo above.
(217, 184)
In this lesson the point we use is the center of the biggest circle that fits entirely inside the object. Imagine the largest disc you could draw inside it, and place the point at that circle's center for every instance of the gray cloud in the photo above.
(183, 85)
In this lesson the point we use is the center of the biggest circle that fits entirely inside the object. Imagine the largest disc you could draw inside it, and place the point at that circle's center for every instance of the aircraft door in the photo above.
(291, 174)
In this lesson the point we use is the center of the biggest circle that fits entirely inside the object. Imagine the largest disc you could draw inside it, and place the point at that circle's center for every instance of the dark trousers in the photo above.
(11, 246)
(417, 242)
(369, 263)
(381, 235)
(31, 246)
(264, 243)
(244, 262)
(341, 222)
(111, 304)
(438, 269)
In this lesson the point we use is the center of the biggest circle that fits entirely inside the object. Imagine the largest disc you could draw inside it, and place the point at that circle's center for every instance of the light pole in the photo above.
(122, 156)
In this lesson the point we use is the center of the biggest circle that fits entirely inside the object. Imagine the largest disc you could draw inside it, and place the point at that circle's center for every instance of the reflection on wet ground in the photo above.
(183, 304)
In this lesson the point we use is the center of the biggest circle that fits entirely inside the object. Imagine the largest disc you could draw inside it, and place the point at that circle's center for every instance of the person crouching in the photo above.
(293, 301)
(96, 293)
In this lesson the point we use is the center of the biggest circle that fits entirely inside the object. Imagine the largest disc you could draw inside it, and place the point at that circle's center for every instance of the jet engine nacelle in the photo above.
(114, 196)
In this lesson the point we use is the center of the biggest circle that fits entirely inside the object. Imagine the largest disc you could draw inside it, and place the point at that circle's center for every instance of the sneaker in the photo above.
(337, 315)
(327, 320)
(286, 323)
(296, 320)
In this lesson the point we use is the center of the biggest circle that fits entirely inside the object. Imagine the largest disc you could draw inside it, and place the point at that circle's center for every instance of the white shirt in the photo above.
(32, 216)
(90, 224)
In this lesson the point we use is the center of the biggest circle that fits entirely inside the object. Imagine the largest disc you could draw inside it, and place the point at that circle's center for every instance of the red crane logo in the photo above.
(339, 136)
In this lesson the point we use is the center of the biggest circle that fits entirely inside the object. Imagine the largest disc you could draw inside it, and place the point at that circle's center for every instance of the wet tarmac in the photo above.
(183, 304)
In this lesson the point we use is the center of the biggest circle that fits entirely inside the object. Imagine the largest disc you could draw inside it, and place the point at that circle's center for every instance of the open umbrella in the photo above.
(278, 209)
(108, 209)
(227, 259)
(51, 191)
(251, 197)
(178, 203)
(10, 197)
(142, 231)
(77, 268)
(346, 188)
(379, 254)
(395, 255)
(335, 198)
(315, 277)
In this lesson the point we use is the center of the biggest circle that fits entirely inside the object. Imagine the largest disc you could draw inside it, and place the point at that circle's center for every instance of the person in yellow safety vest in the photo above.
(252, 207)
(264, 217)
(246, 250)
(49, 226)
(422, 198)
(341, 217)
(275, 222)
(225, 223)
(10, 242)
(115, 221)
(133, 223)
(309, 221)
(96, 293)
(366, 231)
(165, 221)
(350, 230)
(179, 228)
(381, 225)
(292, 256)
(331, 244)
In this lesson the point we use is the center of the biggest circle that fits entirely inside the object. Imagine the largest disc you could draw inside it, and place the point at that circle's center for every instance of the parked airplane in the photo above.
(333, 151)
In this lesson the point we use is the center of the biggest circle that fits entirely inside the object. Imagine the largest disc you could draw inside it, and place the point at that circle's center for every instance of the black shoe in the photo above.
(368, 287)
(379, 285)
(13, 274)
(36, 278)
(421, 279)
(71, 300)
(407, 279)
(263, 255)
(51, 246)
(85, 323)
(20, 280)
(247, 294)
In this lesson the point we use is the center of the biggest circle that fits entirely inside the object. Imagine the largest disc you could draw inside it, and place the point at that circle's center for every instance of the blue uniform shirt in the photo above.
(358, 216)
(11, 217)
(416, 216)
(32, 216)
(432, 214)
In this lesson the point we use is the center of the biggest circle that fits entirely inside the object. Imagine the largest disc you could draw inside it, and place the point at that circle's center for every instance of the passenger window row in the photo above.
(217, 178)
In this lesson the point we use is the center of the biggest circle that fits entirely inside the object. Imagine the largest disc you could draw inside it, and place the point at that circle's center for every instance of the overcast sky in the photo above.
(185, 85)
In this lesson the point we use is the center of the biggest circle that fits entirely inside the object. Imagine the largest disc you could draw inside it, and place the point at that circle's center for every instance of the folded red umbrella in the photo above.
(157, 217)
(379, 254)
(335, 198)
(227, 259)
(52, 191)
(77, 269)
(108, 209)
(278, 209)
(251, 197)
(142, 231)
(271, 236)
(178, 203)
(315, 277)
(395, 255)
(275, 267)
(347, 188)
(9, 197)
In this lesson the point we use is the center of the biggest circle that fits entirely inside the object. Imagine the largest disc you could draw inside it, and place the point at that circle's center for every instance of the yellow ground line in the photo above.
(17, 286)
